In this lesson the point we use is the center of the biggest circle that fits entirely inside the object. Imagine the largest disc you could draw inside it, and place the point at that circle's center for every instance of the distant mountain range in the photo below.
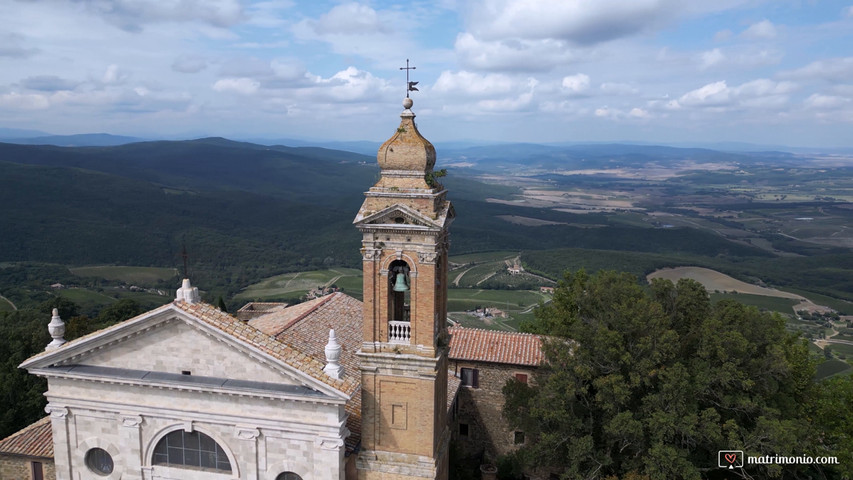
(82, 140)
(244, 203)
(36, 137)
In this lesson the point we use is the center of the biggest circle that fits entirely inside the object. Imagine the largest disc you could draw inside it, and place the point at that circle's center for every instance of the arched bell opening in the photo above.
(399, 298)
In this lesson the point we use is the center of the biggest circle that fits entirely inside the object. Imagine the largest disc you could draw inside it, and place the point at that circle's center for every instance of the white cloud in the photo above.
(132, 15)
(616, 88)
(722, 35)
(826, 102)
(848, 12)
(635, 113)
(355, 29)
(269, 14)
(350, 19)
(114, 75)
(512, 54)
(576, 84)
(744, 58)
(521, 102)
(761, 30)
(189, 64)
(716, 93)
(578, 21)
(468, 83)
(712, 58)
(831, 69)
(350, 85)
(27, 101)
(242, 86)
(761, 93)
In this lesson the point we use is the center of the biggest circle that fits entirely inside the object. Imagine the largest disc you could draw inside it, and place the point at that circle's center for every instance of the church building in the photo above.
(333, 388)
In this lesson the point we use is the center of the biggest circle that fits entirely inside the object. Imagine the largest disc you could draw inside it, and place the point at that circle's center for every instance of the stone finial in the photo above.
(56, 327)
(333, 367)
(187, 292)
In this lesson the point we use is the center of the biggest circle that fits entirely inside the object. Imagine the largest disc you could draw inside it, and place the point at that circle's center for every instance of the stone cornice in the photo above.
(294, 426)
(88, 345)
(207, 389)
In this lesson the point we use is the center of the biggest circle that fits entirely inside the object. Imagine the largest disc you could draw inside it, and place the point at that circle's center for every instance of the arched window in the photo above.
(399, 288)
(191, 450)
(288, 476)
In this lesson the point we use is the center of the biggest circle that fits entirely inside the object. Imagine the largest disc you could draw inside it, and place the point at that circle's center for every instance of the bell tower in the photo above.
(404, 224)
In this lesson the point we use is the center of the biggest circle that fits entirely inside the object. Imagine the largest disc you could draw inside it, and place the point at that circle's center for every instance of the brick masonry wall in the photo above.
(481, 409)
(19, 468)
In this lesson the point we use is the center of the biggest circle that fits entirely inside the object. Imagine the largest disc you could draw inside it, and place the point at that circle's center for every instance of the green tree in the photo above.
(22, 335)
(833, 413)
(118, 312)
(654, 382)
(67, 308)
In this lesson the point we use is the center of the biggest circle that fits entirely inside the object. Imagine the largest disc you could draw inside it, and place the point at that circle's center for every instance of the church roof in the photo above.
(492, 346)
(307, 325)
(288, 354)
(276, 347)
(34, 440)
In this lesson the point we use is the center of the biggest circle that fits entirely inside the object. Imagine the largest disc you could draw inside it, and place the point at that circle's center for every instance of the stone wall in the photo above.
(480, 409)
(176, 347)
(262, 437)
(13, 467)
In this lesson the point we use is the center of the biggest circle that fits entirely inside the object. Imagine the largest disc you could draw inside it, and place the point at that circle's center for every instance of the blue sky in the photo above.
(774, 72)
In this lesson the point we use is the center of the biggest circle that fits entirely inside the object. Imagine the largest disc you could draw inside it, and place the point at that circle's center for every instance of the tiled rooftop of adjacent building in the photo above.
(35, 440)
(495, 347)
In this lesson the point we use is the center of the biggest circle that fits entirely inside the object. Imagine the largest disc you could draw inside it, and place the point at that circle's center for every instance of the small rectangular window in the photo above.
(521, 377)
(470, 377)
(38, 473)
(463, 429)
(518, 438)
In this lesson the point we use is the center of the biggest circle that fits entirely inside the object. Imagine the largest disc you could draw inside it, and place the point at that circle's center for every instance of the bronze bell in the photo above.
(400, 283)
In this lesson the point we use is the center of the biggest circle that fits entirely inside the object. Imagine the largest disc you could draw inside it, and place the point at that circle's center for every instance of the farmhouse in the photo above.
(333, 388)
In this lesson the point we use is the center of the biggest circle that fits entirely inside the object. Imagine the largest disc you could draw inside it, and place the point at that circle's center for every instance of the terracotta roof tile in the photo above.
(277, 321)
(307, 325)
(279, 349)
(35, 440)
(453, 383)
(495, 347)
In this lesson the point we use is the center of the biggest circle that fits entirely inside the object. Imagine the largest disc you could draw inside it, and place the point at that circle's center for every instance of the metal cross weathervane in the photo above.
(410, 86)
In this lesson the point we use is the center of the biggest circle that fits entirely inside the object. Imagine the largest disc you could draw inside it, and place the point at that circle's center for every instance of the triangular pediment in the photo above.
(172, 344)
(399, 216)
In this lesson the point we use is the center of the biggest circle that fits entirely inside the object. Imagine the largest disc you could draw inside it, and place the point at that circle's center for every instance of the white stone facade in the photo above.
(122, 390)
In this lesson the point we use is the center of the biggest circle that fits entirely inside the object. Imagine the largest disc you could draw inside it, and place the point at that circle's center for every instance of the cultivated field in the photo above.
(516, 303)
(714, 281)
(297, 284)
